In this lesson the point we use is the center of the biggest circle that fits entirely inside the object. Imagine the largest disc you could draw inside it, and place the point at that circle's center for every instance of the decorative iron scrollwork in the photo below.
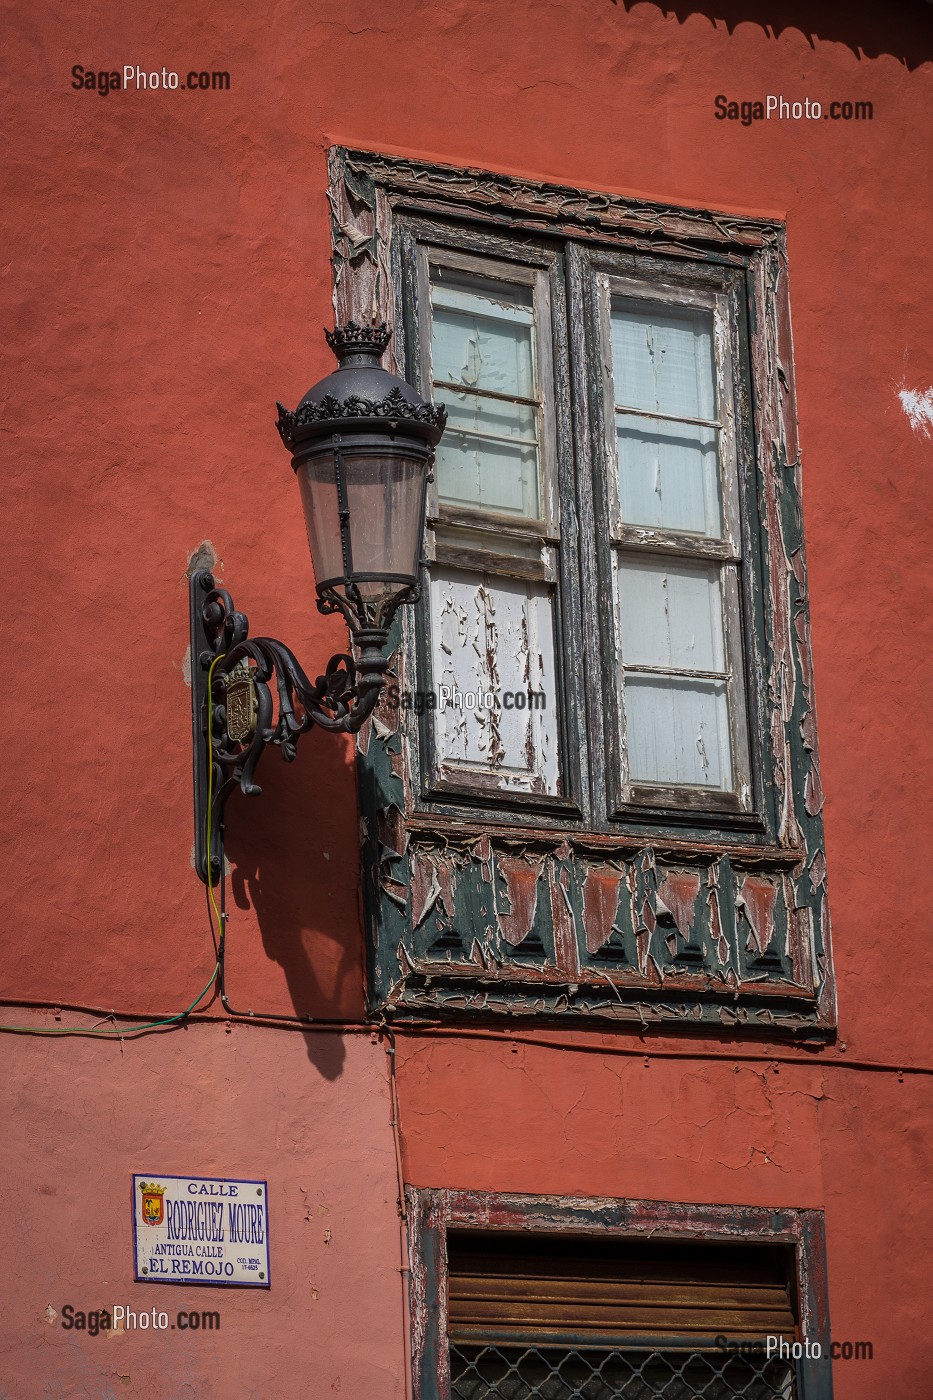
(237, 715)
(354, 339)
(393, 406)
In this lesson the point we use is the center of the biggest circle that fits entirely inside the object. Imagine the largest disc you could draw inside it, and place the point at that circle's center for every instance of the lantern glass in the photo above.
(383, 483)
(384, 496)
(317, 481)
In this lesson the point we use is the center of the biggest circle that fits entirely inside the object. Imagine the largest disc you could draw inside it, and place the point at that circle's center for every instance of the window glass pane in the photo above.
(495, 677)
(488, 457)
(483, 336)
(670, 614)
(668, 475)
(678, 731)
(663, 358)
(474, 414)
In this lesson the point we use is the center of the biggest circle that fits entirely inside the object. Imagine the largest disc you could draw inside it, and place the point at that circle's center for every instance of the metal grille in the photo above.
(480, 1371)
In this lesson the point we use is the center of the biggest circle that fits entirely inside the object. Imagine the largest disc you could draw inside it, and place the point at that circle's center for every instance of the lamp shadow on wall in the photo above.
(902, 29)
(305, 904)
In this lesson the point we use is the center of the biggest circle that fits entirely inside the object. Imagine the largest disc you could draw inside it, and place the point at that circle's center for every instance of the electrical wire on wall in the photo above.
(144, 1026)
(221, 945)
(217, 915)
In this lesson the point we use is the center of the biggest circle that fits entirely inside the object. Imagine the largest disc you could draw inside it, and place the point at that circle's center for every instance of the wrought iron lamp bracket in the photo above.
(234, 715)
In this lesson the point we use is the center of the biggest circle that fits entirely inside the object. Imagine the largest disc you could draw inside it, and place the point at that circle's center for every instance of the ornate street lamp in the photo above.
(362, 445)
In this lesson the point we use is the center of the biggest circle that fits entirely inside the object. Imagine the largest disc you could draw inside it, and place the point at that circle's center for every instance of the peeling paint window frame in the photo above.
(489, 545)
(573, 286)
(581, 905)
(598, 277)
(432, 1213)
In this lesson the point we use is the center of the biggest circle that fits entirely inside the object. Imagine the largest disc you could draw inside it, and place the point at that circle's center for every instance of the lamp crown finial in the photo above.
(354, 339)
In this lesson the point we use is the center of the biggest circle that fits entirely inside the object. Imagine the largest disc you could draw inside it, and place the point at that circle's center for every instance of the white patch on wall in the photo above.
(493, 639)
(918, 405)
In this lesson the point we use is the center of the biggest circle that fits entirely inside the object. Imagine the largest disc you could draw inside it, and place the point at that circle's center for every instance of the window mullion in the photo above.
(456, 388)
(676, 671)
(601, 698)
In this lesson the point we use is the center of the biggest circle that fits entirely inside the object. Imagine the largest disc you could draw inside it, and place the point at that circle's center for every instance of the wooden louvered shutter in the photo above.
(581, 1291)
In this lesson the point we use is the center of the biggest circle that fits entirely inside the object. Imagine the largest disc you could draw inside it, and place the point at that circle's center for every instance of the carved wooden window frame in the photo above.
(596, 276)
(481, 907)
(538, 552)
(432, 1213)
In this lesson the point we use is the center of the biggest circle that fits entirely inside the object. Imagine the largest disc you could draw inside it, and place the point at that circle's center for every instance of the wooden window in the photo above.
(615, 1299)
(664, 488)
(670, 466)
(484, 345)
(595, 788)
(617, 1319)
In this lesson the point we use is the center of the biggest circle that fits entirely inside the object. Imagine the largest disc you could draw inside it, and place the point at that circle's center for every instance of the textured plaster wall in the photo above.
(165, 279)
(246, 1104)
(522, 1118)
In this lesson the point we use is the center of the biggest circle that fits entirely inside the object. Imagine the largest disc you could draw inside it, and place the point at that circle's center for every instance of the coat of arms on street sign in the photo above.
(153, 1211)
(242, 704)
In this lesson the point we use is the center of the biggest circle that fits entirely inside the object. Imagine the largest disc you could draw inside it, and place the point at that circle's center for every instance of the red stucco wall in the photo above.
(165, 280)
(230, 1103)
